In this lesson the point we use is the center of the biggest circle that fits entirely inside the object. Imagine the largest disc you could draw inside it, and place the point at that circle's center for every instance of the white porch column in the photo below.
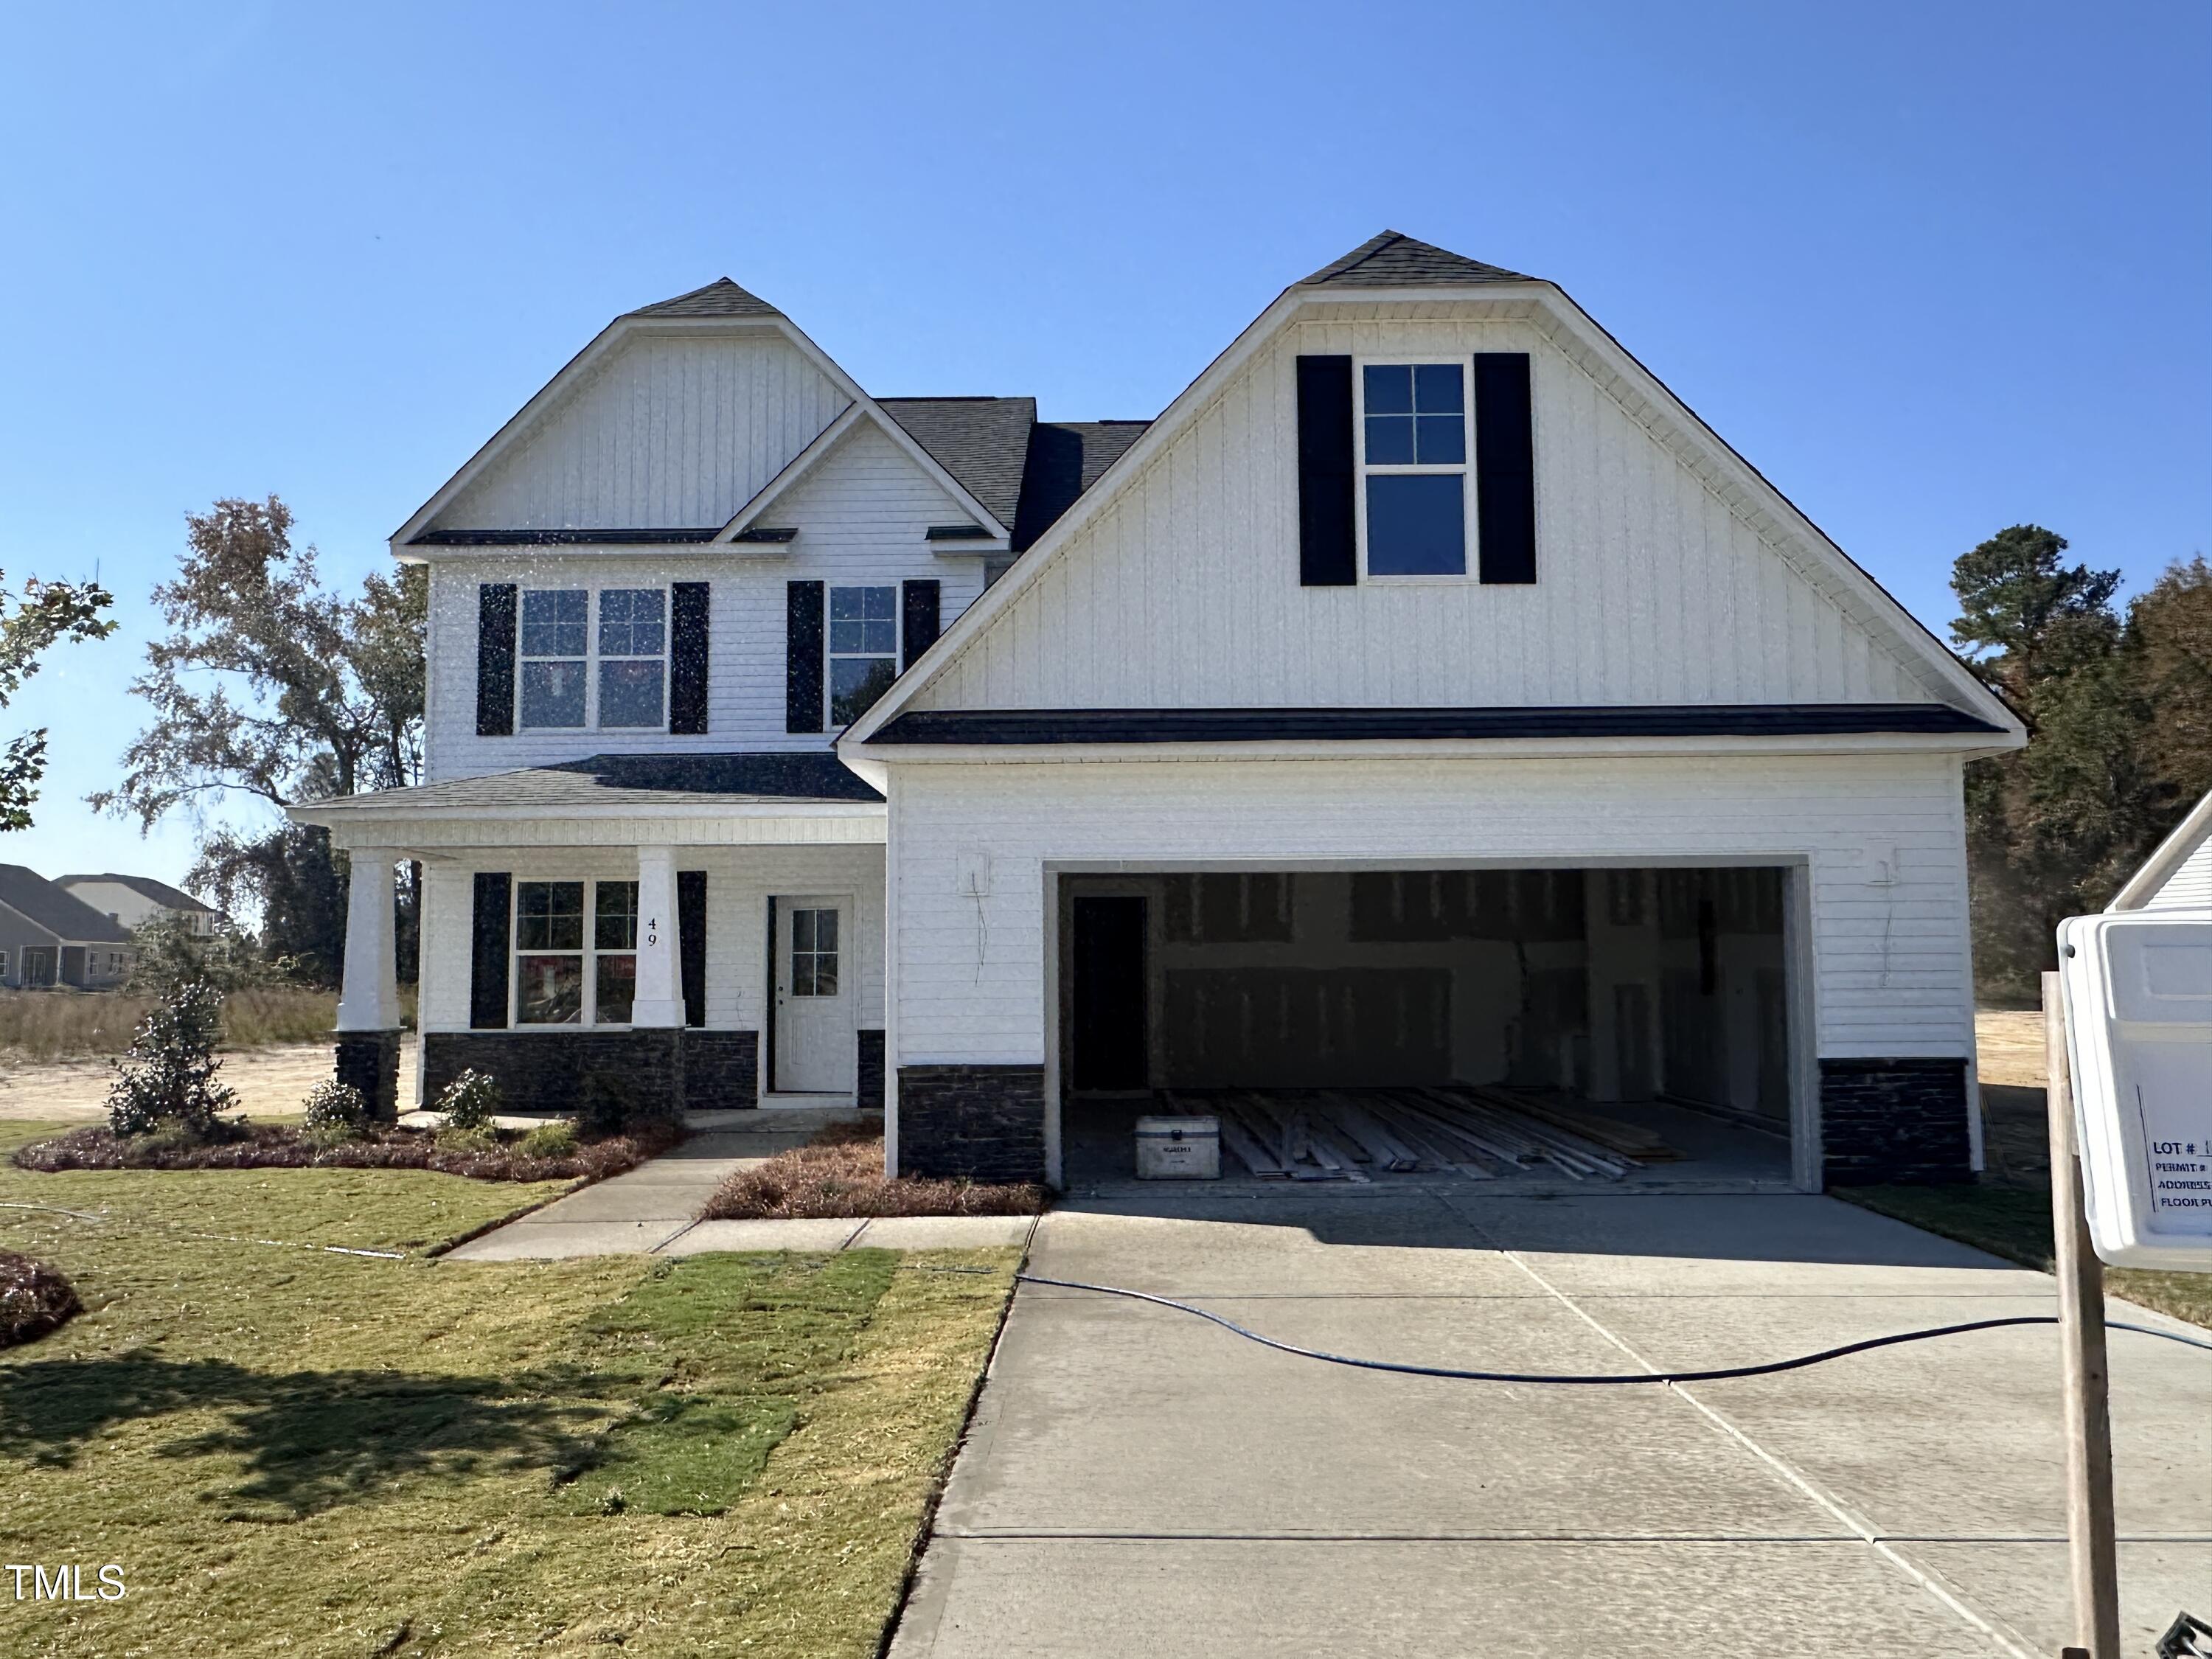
(660, 967)
(370, 998)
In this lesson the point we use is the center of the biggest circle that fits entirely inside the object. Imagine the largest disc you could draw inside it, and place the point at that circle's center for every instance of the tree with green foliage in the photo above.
(167, 1081)
(2119, 714)
(269, 689)
(45, 615)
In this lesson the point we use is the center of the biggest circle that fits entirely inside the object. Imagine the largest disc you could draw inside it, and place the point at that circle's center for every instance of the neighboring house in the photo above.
(133, 901)
(50, 937)
(1427, 695)
(2178, 875)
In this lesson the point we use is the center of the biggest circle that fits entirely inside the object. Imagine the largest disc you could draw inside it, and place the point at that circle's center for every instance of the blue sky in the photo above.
(1934, 269)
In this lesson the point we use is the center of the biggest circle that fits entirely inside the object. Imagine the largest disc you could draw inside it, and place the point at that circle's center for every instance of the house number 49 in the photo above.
(653, 933)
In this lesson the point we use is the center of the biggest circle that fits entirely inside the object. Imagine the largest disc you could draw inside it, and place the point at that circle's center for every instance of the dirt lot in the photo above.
(2011, 1046)
(269, 1082)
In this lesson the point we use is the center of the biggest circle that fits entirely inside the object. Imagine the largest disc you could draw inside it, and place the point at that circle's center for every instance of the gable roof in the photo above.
(1393, 260)
(1064, 459)
(2192, 833)
(719, 298)
(173, 898)
(981, 441)
(65, 915)
(1396, 260)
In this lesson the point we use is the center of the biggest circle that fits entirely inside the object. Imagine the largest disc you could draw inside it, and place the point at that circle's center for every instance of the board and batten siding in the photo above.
(1183, 590)
(2190, 887)
(739, 884)
(861, 517)
(671, 430)
(1881, 836)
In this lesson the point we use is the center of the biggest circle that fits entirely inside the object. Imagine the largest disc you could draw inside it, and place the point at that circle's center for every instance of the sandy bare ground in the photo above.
(270, 1083)
(2010, 1045)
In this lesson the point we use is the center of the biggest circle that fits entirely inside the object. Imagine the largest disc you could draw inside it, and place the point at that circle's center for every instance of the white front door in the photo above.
(815, 1050)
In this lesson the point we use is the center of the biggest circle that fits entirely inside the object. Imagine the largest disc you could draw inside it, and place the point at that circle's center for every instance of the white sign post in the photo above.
(2128, 1027)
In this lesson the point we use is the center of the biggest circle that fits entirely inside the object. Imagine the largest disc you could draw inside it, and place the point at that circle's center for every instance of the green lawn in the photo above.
(293, 1451)
(2008, 1211)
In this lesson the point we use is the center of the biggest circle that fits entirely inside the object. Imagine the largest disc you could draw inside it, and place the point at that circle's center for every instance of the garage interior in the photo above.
(1515, 1026)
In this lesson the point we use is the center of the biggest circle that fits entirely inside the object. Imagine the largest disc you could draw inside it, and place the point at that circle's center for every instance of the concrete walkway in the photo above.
(1136, 1481)
(654, 1210)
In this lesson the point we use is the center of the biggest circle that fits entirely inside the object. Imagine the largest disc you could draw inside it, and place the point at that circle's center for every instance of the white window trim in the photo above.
(588, 1017)
(830, 657)
(591, 658)
(1470, 572)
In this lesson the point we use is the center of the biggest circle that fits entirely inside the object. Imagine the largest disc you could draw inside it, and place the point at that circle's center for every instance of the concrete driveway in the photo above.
(1139, 1482)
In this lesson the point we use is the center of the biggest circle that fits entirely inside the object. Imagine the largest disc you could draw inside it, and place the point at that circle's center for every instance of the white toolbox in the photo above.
(1178, 1149)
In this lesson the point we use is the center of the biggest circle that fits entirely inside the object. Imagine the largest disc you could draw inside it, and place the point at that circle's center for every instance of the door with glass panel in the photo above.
(815, 996)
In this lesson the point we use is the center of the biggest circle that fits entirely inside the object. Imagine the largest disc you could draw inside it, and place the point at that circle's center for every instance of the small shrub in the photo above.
(460, 1137)
(470, 1101)
(34, 1299)
(167, 1079)
(336, 1111)
(554, 1139)
(841, 1173)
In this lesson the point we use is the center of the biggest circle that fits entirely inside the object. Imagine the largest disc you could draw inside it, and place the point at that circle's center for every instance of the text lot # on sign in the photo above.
(2138, 991)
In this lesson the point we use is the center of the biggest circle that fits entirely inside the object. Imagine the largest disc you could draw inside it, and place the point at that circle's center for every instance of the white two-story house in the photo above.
(1427, 695)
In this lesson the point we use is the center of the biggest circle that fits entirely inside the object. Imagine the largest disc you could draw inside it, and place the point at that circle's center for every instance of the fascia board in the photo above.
(949, 754)
(1048, 547)
(361, 808)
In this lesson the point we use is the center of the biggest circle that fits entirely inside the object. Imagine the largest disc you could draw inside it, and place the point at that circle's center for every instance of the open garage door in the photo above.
(1482, 1024)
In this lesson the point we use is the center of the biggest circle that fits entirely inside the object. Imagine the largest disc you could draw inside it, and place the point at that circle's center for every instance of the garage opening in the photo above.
(1508, 1025)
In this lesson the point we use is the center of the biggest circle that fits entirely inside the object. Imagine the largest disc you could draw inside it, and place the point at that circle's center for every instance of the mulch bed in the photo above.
(275, 1146)
(34, 1299)
(841, 1175)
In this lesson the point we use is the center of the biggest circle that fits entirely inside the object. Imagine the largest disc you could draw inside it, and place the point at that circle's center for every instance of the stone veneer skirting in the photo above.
(1899, 1119)
(986, 1122)
(369, 1061)
(868, 1084)
(547, 1071)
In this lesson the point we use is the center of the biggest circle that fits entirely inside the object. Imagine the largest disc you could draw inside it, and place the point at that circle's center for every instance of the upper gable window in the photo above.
(1413, 443)
(614, 677)
(863, 649)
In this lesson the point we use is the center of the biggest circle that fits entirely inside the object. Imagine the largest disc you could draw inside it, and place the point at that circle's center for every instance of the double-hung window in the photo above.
(574, 966)
(863, 649)
(614, 677)
(1414, 480)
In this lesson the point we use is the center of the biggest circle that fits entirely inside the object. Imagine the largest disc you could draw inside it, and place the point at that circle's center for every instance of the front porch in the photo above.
(632, 935)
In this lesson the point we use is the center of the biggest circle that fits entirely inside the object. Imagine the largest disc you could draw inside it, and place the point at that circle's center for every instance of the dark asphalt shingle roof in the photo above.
(981, 441)
(161, 892)
(719, 298)
(712, 780)
(1395, 260)
(69, 918)
(1064, 460)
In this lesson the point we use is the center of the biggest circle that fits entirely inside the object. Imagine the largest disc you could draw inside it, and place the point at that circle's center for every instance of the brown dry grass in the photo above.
(41, 1025)
(841, 1173)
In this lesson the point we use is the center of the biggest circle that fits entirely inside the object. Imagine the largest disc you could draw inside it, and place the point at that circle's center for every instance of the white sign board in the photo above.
(2138, 996)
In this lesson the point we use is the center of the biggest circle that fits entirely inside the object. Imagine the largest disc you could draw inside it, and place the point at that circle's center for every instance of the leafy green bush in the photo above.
(482, 1139)
(336, 1111)
(167, 1079)
(553, 1140)
(470, 1101)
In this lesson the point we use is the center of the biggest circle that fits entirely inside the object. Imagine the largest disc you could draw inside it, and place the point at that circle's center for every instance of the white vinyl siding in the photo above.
(671, 430)
(862, 519)
(1882, 836)
(1652, 588)
(2190, 887)
(739, 883)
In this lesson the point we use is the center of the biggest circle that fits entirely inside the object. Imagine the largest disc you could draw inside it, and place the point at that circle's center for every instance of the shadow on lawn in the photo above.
(307, 1440)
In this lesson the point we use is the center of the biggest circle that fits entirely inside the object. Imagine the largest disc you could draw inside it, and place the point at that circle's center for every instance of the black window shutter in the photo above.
(691, 942)
(802, 657)
(1329, 548)
(488, 950)
(918, 601)
(687, 660)
(1505, 467)
(496, 660)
